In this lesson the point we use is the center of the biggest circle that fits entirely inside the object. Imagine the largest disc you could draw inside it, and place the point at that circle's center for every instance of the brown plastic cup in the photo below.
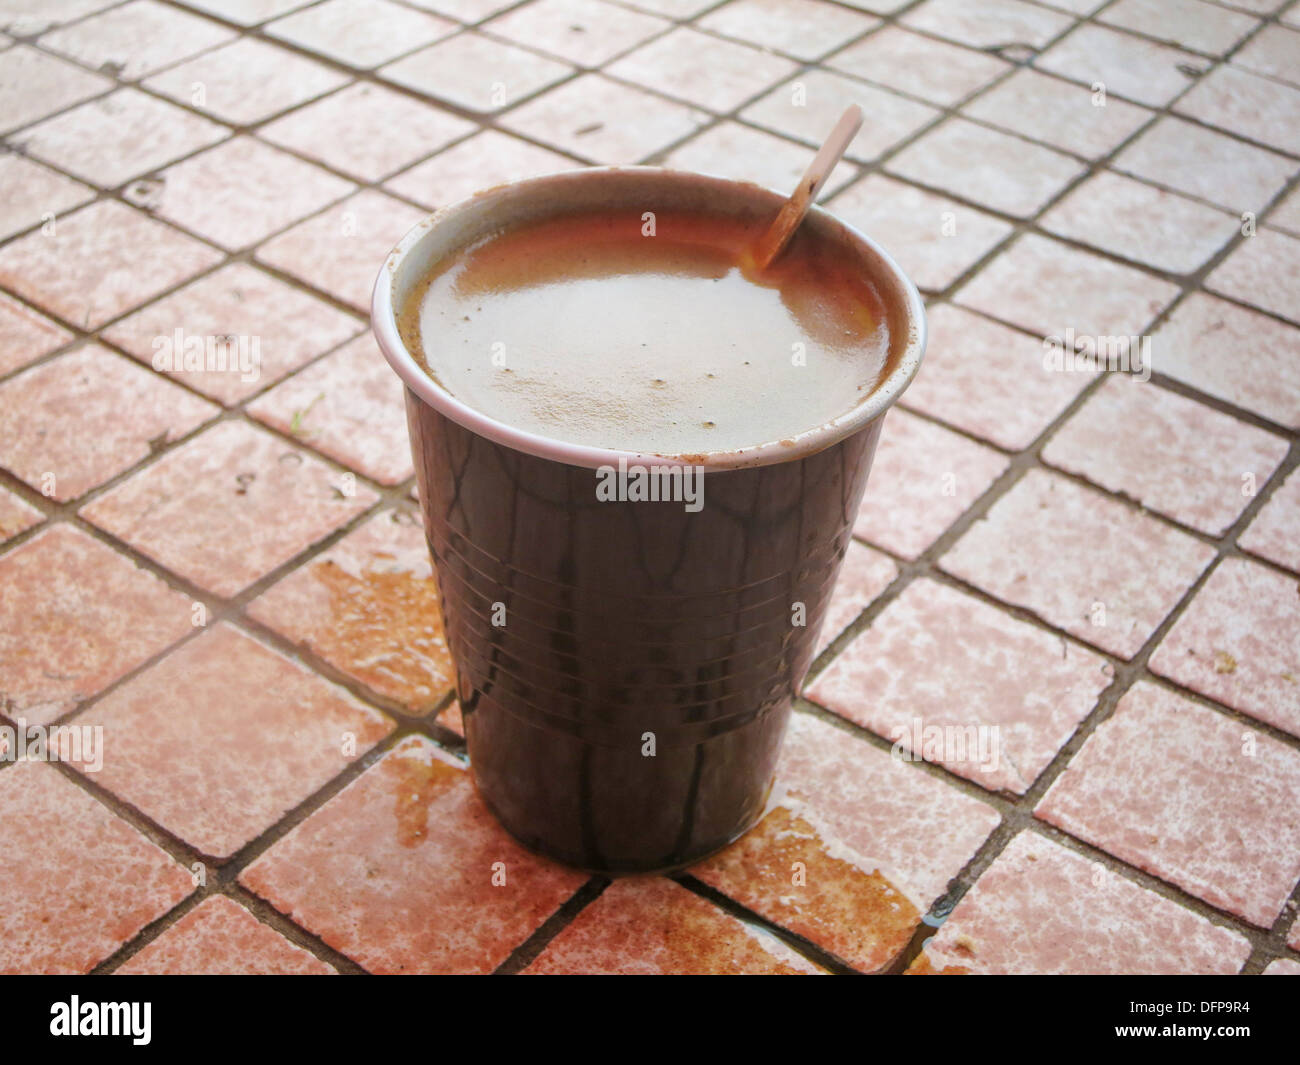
(626, 668)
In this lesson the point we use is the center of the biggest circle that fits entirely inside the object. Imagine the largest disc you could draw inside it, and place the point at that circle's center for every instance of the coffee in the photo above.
(652, 335)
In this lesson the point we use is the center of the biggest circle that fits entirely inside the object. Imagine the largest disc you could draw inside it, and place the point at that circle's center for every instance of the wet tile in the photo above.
(247, 81)
(967, 355)
(49, 412)
(82, 891)
(1239, 642)
(229, 506)
(1271, 534)
(1234, 354)
(1200, 162)
(924, 477)
(405, 871)
(340, 251)
(1274, 51)
(1140, 223)
(1113, 595)
(1128, 66)
(284, 732)
(604, 121)
(221, 938)
(16, 515)
(348, 406)
(808, 107)
(100, 262)
(246, 12)
(242, 191)
(34, 84)
(1199, 467)
(994, 169)
(33, 195)
(366, 131)
(476, 72)
(1192, 24)
(650, 926)
(1057, 113)
(934, 239)
(360, 33)
(21, 17)
(235, 303)
(479, 162)
(703, 70)
(1086, 920)
(1247, 105)
(71, 600)
(991, 24)
(1264, 271)
(1048, 287)
(117, 137)
(864, 575)
(1187, 795)
(369, 607)
(935, 71)
(958, 682)
(586, 32)
(740, 153)
(805, 29)
(25, 335)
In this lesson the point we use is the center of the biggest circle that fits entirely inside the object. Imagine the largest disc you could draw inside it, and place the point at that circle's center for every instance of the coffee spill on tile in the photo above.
(417, 782)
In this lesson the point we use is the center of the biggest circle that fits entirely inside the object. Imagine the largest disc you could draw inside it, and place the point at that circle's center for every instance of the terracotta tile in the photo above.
(1047, 287)
(1286, 215)
(703, 70)
(1128, 66)
(809, 106)
(340, 251)
(360, 33)
(1200, 162)
(934, 239)
(1264, 270)
(453, 719)
(738, 152)
(247, 81)
(246, 12)
(1239, 642)
(71, 600)
(470, 11)
(991, 24)
(349, 406)
(1005, 694)
(221, 938)
(476, 73)
(1112, 595)
(229, 506)
(586, 32)
(937, 72)
(25, 335)
(1189, 796)
(1283, 967)
(994, 169)
(78, 893)
(16, 515)
(478, 162)
(1232, 353)
(101, 261)
(237, 301)
(136, 38)
(805, 29)
(682, 9)
(1058, 113)
(967, 355)
(1198, 466)
(34, 194)
(366, 131)
(20, 17)
(369, 607)
(1274, 51)
(1192, 24)
(864, 575)
(33, 85)
(924, 477)
(49, 412)
(604, 121)
(402, 871)
(650, 926)
(1247, 105)
(1086, 920)
(284, 733)
(240, 192)
(1271, 534)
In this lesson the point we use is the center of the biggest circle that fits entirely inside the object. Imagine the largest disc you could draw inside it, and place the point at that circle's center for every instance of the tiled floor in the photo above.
(222, 569)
